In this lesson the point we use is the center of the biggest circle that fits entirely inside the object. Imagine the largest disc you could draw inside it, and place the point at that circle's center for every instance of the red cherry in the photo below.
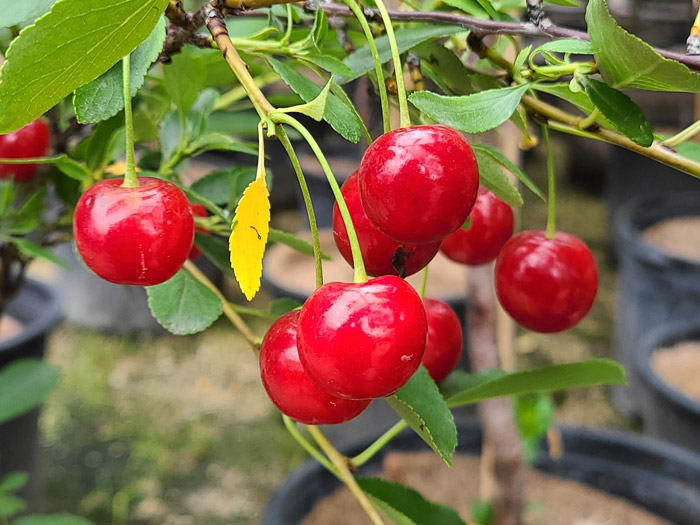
(490, 227)
(289, 386)
(138, 236)
(382, 255)
(547, 285)
(199, 211)
(444, 339)
(361, 341)
(418, 184)
(33, 140)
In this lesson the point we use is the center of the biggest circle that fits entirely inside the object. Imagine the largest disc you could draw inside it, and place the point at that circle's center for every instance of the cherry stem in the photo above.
(367, 454)
(381, 84)
(284, 139)
(423, 282)
(551, 187)
(398, 66)
(260, 173)
(358, 263)
(130, 179)
(306, 445)
(687, 134)
(341, 463)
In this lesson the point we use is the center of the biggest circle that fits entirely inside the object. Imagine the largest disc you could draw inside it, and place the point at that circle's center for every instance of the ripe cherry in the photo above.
(289, 386)
(444, 339)
(33, 140)
(547, 285)
(139, 236)
(382, 255)
(418, 184)
(490, 226)
(199, 211)
(361, 341)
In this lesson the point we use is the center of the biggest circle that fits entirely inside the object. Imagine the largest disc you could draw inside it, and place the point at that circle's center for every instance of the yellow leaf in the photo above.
(251, 226)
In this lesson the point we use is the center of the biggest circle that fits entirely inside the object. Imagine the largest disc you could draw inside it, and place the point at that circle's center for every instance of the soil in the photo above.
(679, 366)
(9, 327)
(295, 271)
(679, 237)
(549, 500)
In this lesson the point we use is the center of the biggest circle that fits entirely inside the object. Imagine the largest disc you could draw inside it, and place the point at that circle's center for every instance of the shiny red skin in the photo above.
(289, 386)
(444, 345)
(33, 140)
(418, 184)
(546, 285)
(361, 341)
(382, 255)
(138, 236)
(490, 227)
(199, 211)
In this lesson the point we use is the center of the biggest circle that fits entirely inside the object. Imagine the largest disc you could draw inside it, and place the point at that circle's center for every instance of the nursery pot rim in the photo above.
(48, 318)
(672, 333)
(628, 231)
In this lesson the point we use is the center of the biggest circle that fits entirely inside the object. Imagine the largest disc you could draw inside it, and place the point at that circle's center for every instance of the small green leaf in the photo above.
(625, 60)
(482, 512)
(460, 380)
(283, 305)
(215, 141)
(24, 384)
(103, 97)
(567, 45)
(14, 13)
(493, 178)
(222, 186)
(577, 98)
(545, 379)
(566, 3)
(406, 506)
(329, 63)
(522, 57)
(71, 168)
(98, 142)
(510, 166)
(445, 68)
(421, 405)
(314, 109)
(183, 305)
(471, 113)
(620, 110)
(295, 242)
(11, 505)
(184, 79)
(31, 249)
(533, 416)
(13, 481)
(35, 76)
(336, 113)
(216, 250)
(471, 7)
(689, 150)
(52, 519)
(319, 32)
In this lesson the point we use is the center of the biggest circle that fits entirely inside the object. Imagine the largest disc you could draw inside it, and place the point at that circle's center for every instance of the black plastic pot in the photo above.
(666, 412)
(654, 287)
(658, 477)
(37, 308)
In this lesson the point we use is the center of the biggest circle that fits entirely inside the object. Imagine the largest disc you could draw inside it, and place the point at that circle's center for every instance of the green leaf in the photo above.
(13, 481)
(319, 32)
(103, 97)
(52, 519)
(216, 250)
(689, 150)
(339, 92)
(533, 416)
(24, 384)
(544, 379)
(183, 305)
(283, 305)
(336, 113)
(329, 63)
(522, 57)
(577, 98)
(221, 186)
(460, 380)
(31, 249)
(445, 68)
(471, 7)
(315, 108)
(567, 45)
(482, 512)
(295, 242)
(99, 141)
(625, 60)
(493, 178)
(620, 110)
(510, 166)
(215, 141)
(361, 60)
(567, 3)
(421, 405)
(406, 506)
(14, 13)
(471, 113)
(184, 79)
(93, 36)
(71, 168)
(11, 505)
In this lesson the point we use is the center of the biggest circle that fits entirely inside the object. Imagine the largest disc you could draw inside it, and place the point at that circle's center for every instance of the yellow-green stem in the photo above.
(686, 134)
(551, 187)
(367, 454)
(590, 119)
(306, 445)
(130, 179)
(423, 282)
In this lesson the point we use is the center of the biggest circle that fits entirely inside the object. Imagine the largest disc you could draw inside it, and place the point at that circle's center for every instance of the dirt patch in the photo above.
(679, 237)
(679, 366)
(9, 327)
(549, 500)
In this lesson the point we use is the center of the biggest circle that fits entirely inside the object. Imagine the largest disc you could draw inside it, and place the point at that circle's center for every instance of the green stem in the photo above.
(381, 84)
(306, 445)
(424, 282)
(367, 454)
(253, 312)
(130, 179)
(551, 187)
(239, 92)
(687, 134)
(34, 160)
(398, 66)
(284, 139)
(590, 119)
(290, 25)
(358, 263)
